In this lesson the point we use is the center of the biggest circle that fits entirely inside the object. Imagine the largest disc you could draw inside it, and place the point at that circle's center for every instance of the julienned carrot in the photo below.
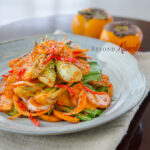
(81, 104)
(62, 116)
(50, 55)
(49, 118)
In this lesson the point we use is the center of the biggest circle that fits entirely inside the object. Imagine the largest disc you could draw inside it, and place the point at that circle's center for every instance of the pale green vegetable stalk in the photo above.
(68, 72)
(49, 75)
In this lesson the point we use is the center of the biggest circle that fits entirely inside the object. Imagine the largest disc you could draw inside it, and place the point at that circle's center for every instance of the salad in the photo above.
(56, 81)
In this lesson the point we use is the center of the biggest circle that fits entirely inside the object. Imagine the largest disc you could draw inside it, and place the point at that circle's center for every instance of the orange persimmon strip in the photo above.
(49, 118)
(89, 106)
(26, 113)
(81, 104)
(100, 101)
(64, 99)
(62, 116)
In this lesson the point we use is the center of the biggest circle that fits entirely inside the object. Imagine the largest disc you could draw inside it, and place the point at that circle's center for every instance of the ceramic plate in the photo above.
(122, 68)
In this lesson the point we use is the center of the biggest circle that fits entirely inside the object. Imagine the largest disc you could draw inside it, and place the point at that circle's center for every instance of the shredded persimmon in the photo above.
(50, 56)
(47, 84)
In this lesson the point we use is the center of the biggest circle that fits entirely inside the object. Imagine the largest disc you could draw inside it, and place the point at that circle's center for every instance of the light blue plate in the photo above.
(122, 68)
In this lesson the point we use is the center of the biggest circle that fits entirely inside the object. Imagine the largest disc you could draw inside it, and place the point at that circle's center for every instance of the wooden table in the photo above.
(138, 134)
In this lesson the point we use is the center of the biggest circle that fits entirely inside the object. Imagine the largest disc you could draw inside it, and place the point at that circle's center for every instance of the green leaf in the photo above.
(92, 77)
(40, 85)
(83, 117)
(69, 107)
(12, 112)
(48, 90)
(93, 112)
(94, 68)
(102, 89)
(89, 86)
(96, 89)
(94, 74)
(50, 111)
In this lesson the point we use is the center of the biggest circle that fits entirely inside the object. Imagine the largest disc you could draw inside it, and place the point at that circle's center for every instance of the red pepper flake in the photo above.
(20, 73)
(50, 55)
(10, 71)
(66, 59)
(5, 76)
(91, 91)
(34, 121)
(66, 87)
(77, 52)
(22, 105)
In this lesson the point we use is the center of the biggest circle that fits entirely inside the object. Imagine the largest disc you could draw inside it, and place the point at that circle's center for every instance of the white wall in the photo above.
(14, 10)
